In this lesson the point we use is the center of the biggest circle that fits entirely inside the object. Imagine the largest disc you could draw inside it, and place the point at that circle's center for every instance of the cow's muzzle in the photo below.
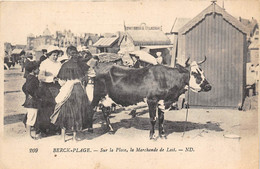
(205, 86)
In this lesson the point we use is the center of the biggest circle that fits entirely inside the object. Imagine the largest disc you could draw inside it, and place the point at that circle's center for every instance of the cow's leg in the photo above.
(161, 109)
(152, 105)
(106, 112)
(161, 120)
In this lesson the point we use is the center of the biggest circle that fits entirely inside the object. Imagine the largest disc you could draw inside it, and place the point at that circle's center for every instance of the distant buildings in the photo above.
(148, 38)
(253, 39)
(62, 39)
(45, 39)
(8, 48)
(66, 38)
(88, 41)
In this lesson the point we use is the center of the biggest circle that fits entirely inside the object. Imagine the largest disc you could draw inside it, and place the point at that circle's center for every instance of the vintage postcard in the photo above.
(129, 84)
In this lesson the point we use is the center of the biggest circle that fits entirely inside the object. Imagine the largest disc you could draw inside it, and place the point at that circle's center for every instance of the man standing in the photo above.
(44, 56)
(22, 60)
(27, 61)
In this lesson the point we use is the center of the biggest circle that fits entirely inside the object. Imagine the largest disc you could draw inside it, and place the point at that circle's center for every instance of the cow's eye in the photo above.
(194, 74)
(198, 79)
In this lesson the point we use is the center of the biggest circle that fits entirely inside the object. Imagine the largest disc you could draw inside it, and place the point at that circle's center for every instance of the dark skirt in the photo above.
(48, 92)
(75, 112)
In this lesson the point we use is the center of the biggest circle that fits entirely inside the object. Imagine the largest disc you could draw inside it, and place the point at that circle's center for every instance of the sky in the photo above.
(19, 19)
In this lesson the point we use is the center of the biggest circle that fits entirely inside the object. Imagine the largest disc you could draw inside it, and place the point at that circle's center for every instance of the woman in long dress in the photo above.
(72, 112)
(49, 88)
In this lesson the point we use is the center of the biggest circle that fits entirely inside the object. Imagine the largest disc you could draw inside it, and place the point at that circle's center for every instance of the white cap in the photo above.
(52, 48)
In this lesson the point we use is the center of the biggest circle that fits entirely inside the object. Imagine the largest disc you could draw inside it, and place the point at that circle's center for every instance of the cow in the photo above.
(158, 85)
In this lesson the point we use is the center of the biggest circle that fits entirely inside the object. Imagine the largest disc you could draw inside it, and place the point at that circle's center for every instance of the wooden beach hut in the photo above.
(222, 38)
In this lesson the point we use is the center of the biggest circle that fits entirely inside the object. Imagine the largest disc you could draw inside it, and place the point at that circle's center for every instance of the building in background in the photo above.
(66, 38)
(147, 38)
(253, 40)
(173, 36)
(46, 38)
(107, 45)
(8, 47)
(88, 40)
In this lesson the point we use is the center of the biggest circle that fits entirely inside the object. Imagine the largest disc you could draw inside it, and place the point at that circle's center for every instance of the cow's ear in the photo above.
(187, 64)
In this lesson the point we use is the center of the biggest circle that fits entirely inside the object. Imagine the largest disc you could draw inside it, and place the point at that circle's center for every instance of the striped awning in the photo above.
(106, 42)
(17, 51)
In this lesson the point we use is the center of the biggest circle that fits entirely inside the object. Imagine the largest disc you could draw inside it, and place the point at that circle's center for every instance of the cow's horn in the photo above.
(186, 63)
(205, 58)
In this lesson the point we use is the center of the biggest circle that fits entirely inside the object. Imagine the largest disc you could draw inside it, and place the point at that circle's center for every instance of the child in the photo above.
(30, 88)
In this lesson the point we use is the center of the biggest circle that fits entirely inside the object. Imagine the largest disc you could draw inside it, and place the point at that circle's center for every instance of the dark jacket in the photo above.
(42, 58)
(26, 62)
(31, 91)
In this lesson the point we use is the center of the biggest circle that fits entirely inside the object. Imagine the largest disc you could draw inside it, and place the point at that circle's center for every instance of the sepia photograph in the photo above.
(117, 84)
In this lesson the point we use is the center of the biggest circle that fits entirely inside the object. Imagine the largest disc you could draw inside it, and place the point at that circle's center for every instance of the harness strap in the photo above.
(187, 111)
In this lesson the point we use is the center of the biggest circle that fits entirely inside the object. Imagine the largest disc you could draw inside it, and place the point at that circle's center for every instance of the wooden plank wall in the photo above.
(223, 44)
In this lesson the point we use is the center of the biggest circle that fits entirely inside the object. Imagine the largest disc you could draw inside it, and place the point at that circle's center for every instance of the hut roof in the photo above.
(17, 51)
(179, 23)
(251, 25)
(148, 37)
(106, 42)
(108, 57)
(254, 45)
(213, 8)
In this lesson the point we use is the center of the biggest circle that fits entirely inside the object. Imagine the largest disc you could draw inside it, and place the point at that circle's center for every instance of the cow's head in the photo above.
(197, 81)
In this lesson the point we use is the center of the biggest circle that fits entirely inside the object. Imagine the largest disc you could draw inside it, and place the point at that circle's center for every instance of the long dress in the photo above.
(75, 112)
(48, 91)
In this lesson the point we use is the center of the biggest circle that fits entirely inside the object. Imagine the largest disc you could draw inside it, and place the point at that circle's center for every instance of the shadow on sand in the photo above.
(13, 118)
(141, 123)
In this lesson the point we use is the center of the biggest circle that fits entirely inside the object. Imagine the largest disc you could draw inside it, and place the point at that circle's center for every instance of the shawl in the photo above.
(62, 97)
(72, 69)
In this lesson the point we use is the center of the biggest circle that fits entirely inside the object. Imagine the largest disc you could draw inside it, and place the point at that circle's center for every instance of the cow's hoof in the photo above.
(111, 132)
(90, 130)
(153, 137)
(163, 136)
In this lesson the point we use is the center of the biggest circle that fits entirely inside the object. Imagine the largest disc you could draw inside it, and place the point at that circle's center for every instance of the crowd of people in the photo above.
(55, 90)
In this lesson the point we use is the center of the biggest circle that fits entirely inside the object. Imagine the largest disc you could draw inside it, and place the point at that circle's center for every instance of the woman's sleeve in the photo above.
(42, 69)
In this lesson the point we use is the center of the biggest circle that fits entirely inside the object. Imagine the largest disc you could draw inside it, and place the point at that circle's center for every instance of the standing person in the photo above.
(22, 60)
(159, 58)
(31, 90)
(28, 60)
(49, 70)
(92, 63)
(72, 112)
(44, 56)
